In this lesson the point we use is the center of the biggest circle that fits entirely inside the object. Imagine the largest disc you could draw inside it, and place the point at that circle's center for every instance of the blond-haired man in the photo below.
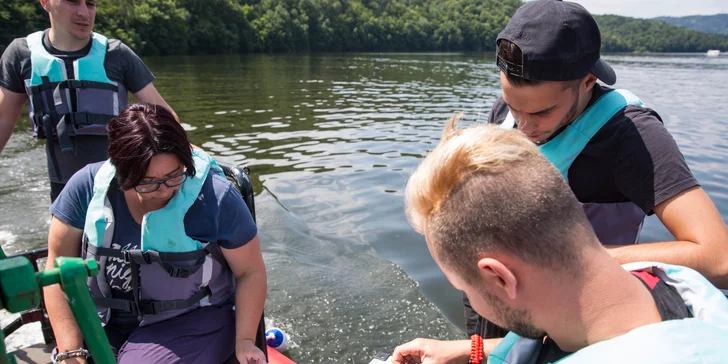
(504, 226)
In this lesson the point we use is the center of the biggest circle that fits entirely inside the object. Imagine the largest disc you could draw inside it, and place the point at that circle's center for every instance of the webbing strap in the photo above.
(152, 307)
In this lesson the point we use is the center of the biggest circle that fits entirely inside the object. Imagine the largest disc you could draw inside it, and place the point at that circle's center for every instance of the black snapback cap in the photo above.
(560, 41)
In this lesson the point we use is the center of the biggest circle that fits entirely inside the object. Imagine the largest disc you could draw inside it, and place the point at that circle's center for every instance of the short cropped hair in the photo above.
(485, 189)
(140, 132)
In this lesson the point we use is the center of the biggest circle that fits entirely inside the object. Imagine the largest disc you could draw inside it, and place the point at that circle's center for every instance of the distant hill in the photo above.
(717, 24)
(624, 34)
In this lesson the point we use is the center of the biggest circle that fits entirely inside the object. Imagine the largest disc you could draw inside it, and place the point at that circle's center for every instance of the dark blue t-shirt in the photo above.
(218, 215)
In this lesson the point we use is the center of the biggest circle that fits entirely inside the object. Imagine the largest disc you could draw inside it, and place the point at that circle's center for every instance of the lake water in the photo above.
(331, 141)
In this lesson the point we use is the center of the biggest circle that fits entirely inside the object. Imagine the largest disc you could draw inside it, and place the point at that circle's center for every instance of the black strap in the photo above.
(217, 255)
(81, 84)
(74, 85)
(152, 307)
(164, 259)
(87, 118)
(115, 304)
(147, 257)
(184, 272)
(157, 307)
(37, 101)
(135, 287)
(49, 121)
(64, 135)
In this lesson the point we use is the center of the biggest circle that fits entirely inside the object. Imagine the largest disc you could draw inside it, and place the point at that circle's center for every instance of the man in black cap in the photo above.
(617, 156)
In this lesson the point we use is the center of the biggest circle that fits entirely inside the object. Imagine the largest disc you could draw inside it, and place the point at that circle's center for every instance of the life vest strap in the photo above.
(87, 118)
(147, 257)
(74, 85)
(164, 259)
(147, 307)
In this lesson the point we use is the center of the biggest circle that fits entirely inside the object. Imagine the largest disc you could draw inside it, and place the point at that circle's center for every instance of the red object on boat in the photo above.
(274, 357)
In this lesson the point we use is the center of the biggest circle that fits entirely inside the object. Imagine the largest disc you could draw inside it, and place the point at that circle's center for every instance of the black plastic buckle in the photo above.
(179, 272)
(147, 307)
(128, 256)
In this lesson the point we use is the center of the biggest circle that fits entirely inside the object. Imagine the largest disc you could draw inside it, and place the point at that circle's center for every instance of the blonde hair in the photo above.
(485, 189)
(482, 148)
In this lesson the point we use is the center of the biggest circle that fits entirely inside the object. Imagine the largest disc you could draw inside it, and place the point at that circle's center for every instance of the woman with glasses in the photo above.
(181, 278)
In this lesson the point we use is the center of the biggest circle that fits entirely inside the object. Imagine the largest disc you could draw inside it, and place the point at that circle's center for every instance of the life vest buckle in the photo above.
(146, 307)
(179, 272)
(135, 256)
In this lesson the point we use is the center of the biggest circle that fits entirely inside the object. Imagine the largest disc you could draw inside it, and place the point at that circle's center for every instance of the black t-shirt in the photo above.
(669, 303)
(122, 65)
(631, 158)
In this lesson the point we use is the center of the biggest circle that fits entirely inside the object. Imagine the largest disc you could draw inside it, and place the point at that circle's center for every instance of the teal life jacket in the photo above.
(614, 223)
(171, 273)
(563, 149)
(97, 98)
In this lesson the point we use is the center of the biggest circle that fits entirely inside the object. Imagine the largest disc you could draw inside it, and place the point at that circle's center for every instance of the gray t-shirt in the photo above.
(122, 65)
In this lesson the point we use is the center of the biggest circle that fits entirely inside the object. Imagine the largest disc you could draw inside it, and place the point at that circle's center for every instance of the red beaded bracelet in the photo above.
(476, 349)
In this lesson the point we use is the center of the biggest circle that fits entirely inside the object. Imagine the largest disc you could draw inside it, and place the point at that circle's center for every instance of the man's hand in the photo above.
(428, 351)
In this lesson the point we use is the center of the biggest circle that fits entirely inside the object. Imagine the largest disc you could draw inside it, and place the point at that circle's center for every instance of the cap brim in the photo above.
(604, 72)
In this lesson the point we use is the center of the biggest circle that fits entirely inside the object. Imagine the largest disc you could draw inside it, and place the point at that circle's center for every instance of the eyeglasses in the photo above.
(173, 181)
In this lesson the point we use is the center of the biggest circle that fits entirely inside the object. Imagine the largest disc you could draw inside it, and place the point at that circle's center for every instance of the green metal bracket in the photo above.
(20, 291)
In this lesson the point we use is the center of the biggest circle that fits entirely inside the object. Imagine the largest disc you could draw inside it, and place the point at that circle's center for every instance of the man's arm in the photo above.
(11, 105)
(701, 237)
(150, 95)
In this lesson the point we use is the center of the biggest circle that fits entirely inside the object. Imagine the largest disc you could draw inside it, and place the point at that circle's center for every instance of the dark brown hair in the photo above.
(140, 132)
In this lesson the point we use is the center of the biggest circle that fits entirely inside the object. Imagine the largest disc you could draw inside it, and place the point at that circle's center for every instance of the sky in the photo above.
(654, 8)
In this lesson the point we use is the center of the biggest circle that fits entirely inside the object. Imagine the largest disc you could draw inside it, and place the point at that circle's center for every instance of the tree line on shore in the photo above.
(178, 27)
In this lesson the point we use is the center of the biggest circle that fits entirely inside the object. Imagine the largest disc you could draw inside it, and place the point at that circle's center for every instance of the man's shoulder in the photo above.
(17, 48)
(631, 122)
(114, 45)
(117, 48)
(631, 114)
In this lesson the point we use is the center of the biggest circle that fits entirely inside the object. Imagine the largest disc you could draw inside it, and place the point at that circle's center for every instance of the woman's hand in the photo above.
(248, 353)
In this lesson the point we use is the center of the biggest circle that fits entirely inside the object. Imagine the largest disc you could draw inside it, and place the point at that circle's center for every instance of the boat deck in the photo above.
(34, 354)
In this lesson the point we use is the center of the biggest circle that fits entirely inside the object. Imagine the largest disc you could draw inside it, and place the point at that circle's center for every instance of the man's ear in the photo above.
(588, 82)
(44, 4)
(497, 274)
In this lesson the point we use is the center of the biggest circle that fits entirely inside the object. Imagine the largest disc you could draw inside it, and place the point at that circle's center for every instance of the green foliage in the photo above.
(717, 24)
(167, 27)
(623, 34)
(19, 18)
(163, 27)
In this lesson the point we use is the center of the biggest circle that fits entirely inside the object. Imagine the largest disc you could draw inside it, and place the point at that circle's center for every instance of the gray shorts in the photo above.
(205, 335)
